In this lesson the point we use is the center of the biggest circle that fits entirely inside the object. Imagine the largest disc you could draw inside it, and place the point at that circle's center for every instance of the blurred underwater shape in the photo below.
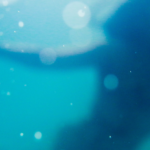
(34, 100)
(31, 26)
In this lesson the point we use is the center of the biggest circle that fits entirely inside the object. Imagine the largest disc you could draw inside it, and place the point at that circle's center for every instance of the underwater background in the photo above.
(74, 75)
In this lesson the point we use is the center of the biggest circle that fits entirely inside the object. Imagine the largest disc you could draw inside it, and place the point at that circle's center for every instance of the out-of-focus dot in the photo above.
(111, 82)
(8, 93)
(110, 136)
(38, 135)
(1, 33)
(48, 56)
(76, 15)
(18, 11)
(81, 37)
(14, 31)
(63, 45)
(130, 71)
(5, 3)
(21, 134)
(25, 85)
(21, 24)
(71, 104)
(11, 69)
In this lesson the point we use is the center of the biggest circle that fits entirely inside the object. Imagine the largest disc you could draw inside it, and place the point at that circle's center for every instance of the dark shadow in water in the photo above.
(121, 117)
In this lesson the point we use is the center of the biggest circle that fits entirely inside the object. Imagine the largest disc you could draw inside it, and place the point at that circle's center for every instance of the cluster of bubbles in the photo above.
(37, 135)
(76, 16)
(20, 24)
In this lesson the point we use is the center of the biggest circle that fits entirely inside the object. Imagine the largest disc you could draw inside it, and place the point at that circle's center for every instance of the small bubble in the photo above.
(21, 134)
(11, 69)
(79, 15)
(21, 24)
(38, 135)
(8, 93)
(111, 82)
(48, 56)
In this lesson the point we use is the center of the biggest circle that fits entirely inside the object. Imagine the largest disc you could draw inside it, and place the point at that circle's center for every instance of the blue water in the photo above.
(77, 88)
(42, 100)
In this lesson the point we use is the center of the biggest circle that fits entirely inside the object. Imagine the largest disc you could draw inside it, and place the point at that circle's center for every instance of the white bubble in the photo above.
(21, 24)
(76, 15)
(81, 37)
(8, 93)
(111, 82)
(38, 135)
(48, 56)
(21, 134)
(5, 3)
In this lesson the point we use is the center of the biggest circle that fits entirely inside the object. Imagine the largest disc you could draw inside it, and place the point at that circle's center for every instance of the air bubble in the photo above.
(76, 15)
(48, 56)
